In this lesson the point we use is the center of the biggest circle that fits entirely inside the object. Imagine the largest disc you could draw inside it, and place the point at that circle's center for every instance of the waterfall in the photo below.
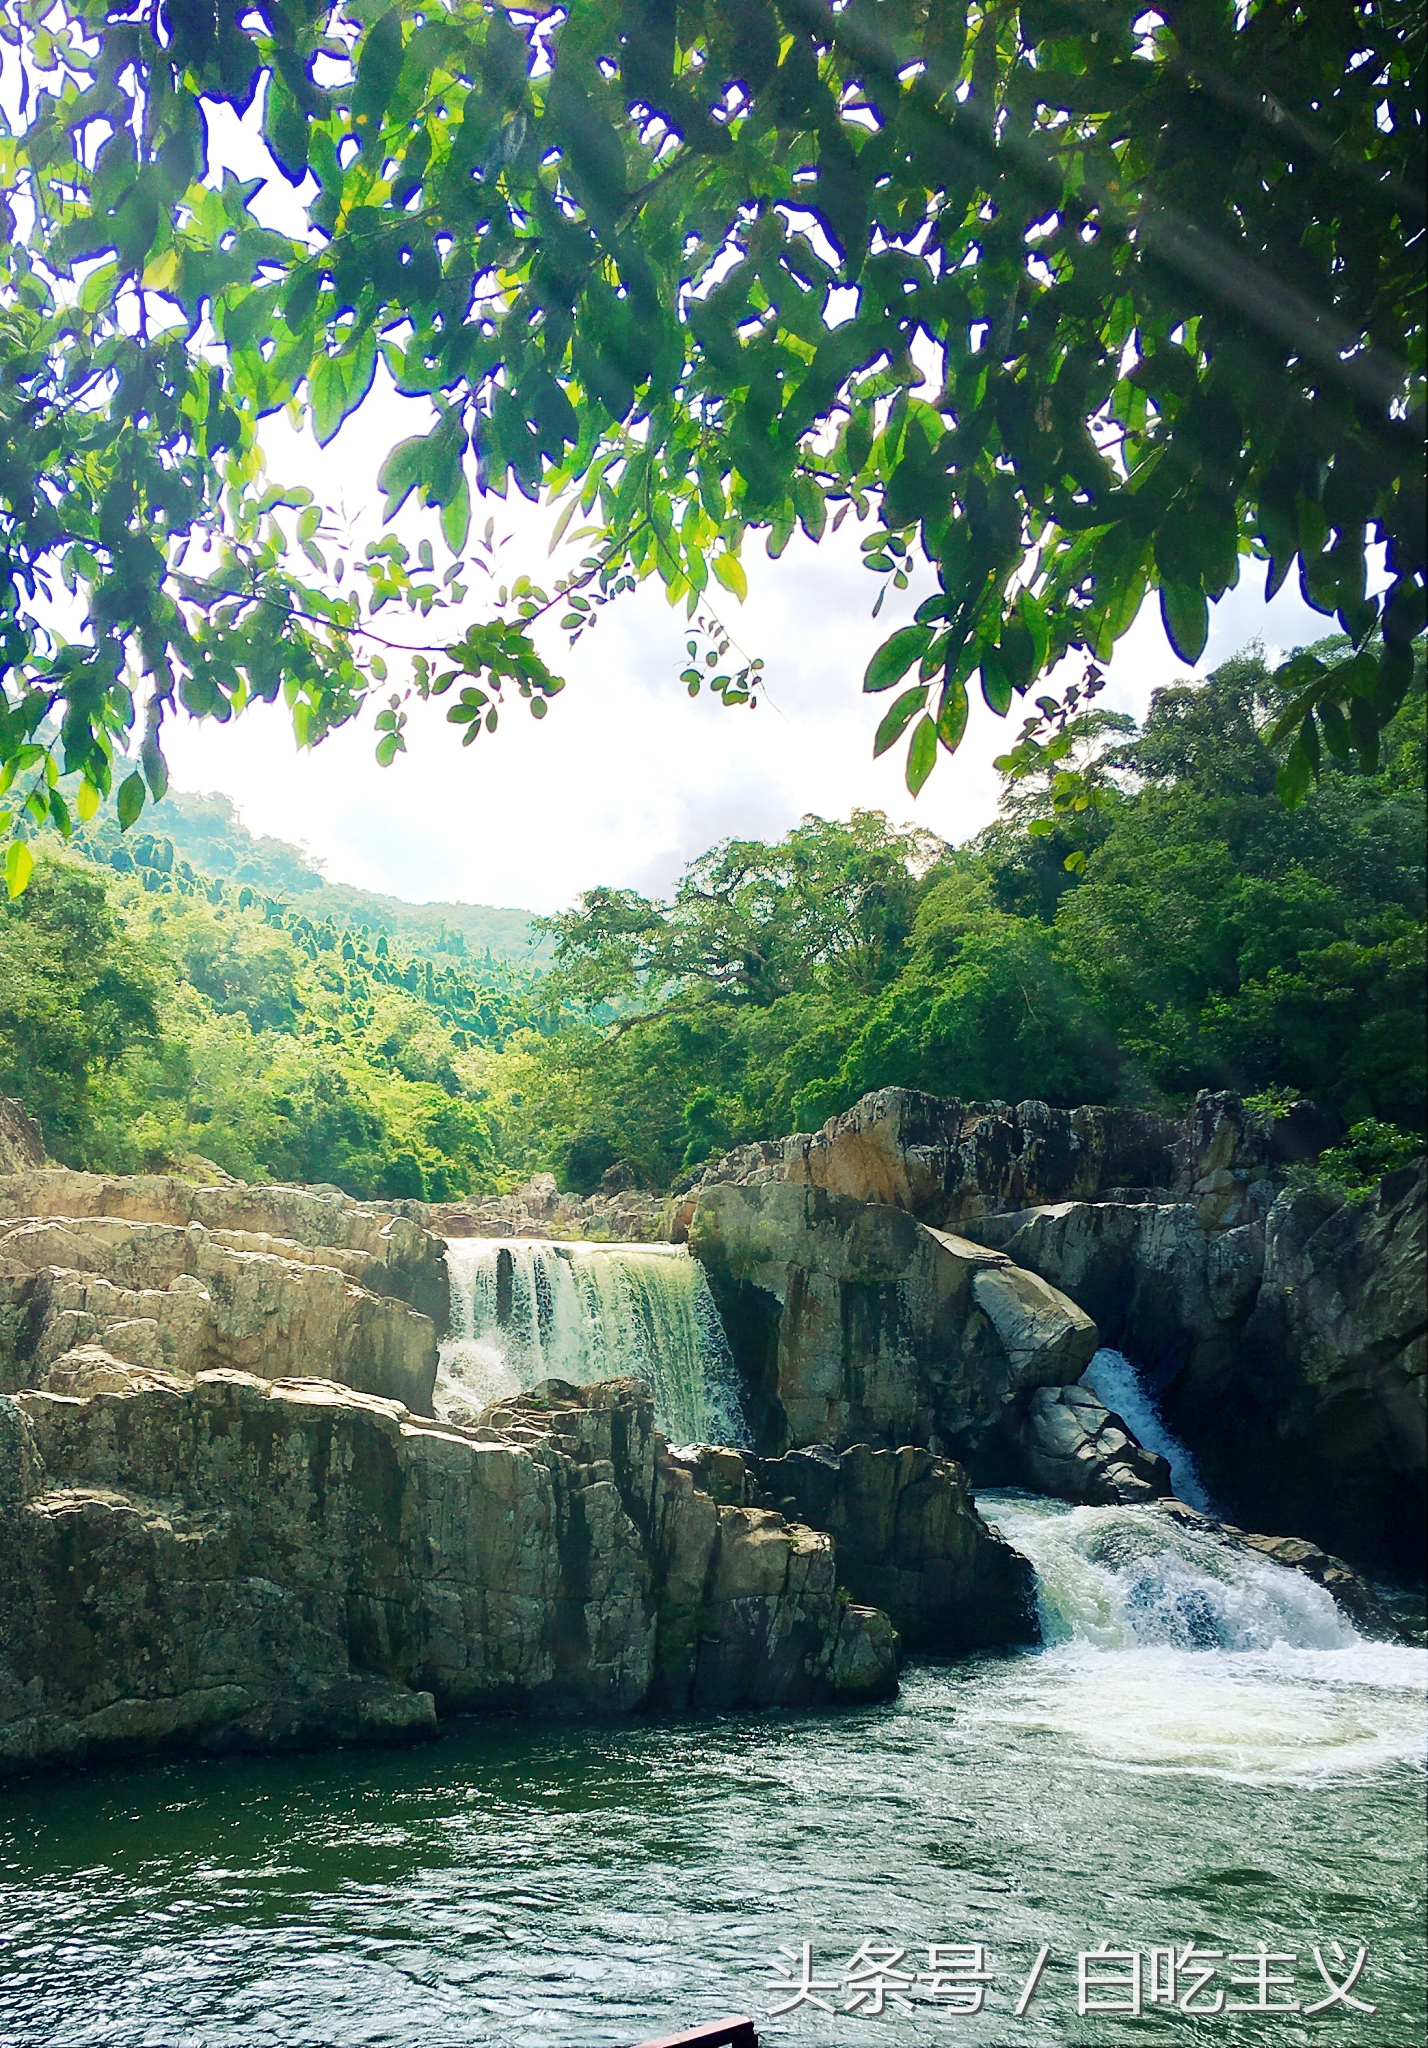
(528, 1309)
(1113, 1379)
(1122, 1578)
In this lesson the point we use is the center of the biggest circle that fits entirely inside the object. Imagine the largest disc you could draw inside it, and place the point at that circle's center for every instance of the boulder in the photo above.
(232, 1563)
(851, 1322)
(909, 1538)
(1070, 1444)
(1317, 1421)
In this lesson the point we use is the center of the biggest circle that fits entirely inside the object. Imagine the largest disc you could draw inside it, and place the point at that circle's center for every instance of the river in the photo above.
(1202, 1754)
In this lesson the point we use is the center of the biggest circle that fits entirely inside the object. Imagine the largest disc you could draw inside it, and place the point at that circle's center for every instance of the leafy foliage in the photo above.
(154, 1016)
(1205, 937)
(1077, 298)
(1355, 1168)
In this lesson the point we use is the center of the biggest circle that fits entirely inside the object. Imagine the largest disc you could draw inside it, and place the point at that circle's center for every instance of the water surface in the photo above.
(531, 1886)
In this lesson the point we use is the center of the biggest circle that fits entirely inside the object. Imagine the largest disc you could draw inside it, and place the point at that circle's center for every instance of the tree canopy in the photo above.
(1207, 938)
(1076, 298)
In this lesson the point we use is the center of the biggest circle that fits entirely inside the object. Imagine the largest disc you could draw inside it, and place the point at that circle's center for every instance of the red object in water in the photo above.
(731, 2033)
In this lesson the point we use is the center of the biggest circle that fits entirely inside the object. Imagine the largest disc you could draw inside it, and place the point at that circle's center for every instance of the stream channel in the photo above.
(1203, 1753)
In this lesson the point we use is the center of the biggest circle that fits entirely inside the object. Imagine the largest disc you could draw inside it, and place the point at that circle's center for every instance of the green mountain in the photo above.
(207, 833)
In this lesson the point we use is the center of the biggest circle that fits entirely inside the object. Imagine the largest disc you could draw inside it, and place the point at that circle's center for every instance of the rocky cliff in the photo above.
(852, 1322)
(231, 1563)
(180, 1278)
(909, 1537)
(1320, 1422)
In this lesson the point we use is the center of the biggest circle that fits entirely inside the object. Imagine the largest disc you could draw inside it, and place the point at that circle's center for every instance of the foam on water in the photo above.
(528, 1309)
(1117, 1578)
(1168, 1649)
(1114, 1380)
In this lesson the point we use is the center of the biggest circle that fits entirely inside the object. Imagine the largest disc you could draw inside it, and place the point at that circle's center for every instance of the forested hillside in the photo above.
(151, 1015)
(1203, 935)
(207, 832)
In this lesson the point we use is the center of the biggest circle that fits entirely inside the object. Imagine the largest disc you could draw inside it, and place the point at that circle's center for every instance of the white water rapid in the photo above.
(1113, 1379)
(1168, 1649)
(528, 1309)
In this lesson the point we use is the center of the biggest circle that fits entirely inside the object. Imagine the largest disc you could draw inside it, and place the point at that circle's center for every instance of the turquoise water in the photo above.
(521, 1885)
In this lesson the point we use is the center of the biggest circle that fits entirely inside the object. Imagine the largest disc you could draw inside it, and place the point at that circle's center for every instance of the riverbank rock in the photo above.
(1067, 1442)
(130, 1263)
(1317, 1422)
(909, 1538)
(851, 1322)
(22, 1144)
(391, 1254)
(231, 1563)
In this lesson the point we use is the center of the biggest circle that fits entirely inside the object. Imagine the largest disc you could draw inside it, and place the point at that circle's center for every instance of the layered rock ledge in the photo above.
(229, 1563)
(178, 1278)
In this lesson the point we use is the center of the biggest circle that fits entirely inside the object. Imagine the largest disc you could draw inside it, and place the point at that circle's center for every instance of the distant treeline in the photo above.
(1174, 928)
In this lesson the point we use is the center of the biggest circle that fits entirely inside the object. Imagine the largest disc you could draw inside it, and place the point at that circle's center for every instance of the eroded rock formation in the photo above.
(852, 1322)
(177, 1278)
(909, 1537)
(230, 1563)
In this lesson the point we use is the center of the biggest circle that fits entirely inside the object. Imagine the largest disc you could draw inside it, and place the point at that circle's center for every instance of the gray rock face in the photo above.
(189, 1300)
(909, 1538)
(853, 1323)
(234, 1563)
(951, 1163)
(1070, 1444)
(1318, 1422)
(21, 1144)
(392, 1255)
(1160, 1289)
(946, 1161)
(1287, 1354)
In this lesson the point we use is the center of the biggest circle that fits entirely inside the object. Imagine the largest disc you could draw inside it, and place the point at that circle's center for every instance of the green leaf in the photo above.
(895, 657)
(400, 474)
(456, 518)
(338, 384)
(19, 866)
(730, 572)
(921, 754)
(896, 721)
(952, 715)
(1296, 778)
(996, 683)
(1187, 619)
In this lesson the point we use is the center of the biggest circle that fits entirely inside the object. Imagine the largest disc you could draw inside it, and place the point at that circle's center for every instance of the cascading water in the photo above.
(1122, 1578)
(1168, 1649)
(528, 1309)
(1114, 1380)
